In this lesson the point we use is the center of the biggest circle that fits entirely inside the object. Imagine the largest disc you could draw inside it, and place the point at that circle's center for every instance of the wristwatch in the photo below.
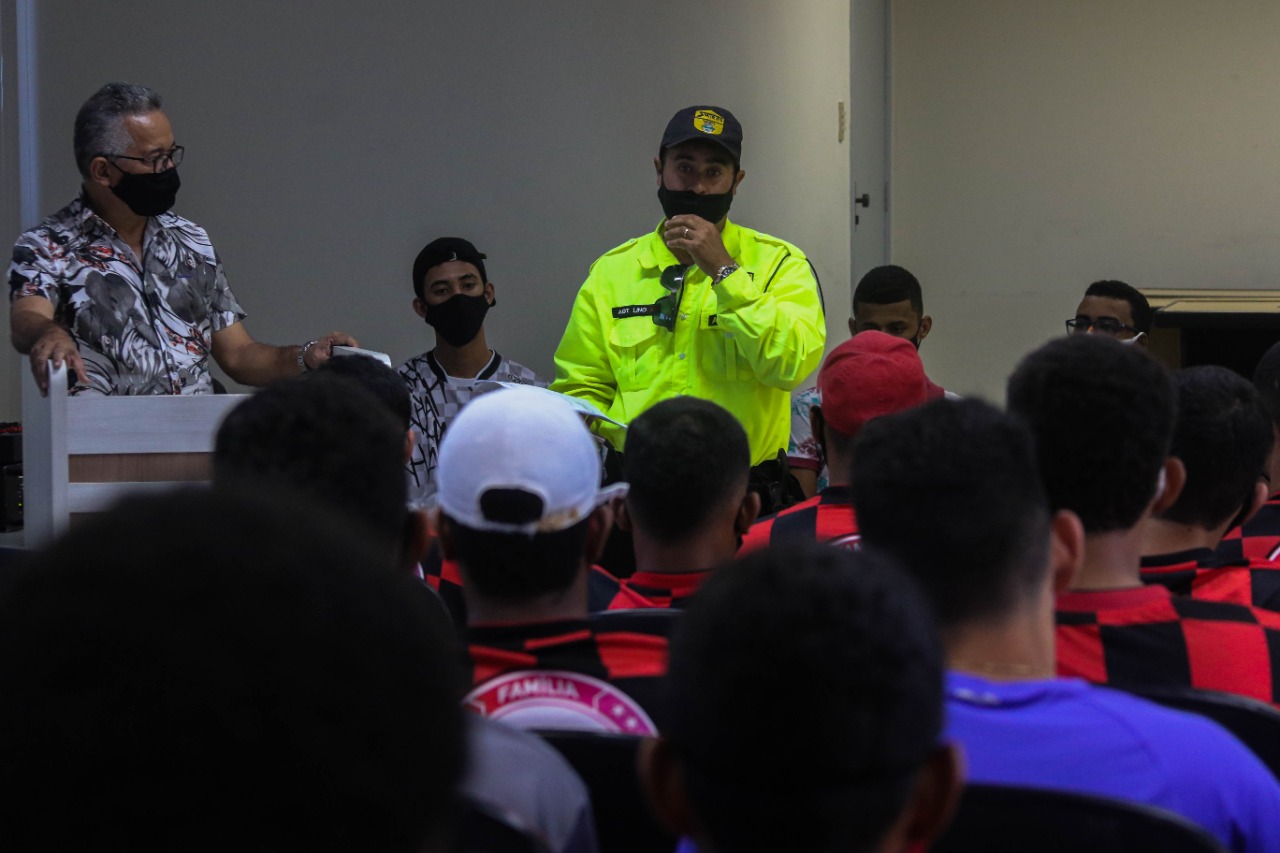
(302, 355)
(724, 272)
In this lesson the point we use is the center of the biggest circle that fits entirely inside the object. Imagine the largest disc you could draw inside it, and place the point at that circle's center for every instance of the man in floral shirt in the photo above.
(129, 295)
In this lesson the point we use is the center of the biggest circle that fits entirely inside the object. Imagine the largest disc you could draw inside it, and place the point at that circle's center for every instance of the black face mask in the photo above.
(458, 319)
(149, 194)
(712, 208)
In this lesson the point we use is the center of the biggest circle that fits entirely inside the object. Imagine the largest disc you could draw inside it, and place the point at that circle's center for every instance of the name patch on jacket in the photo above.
(623, 311)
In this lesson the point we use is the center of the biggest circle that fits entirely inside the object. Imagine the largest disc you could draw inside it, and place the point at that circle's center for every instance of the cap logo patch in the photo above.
(708, 122)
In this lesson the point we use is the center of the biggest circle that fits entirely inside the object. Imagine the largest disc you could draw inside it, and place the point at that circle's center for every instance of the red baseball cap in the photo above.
(869, 375)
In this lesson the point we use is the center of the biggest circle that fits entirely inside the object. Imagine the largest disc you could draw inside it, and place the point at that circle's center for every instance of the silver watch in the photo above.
(302, 355)
(724, 272)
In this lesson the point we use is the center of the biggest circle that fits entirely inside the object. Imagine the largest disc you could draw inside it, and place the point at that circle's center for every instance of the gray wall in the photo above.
(324, 147)
(1040, 146)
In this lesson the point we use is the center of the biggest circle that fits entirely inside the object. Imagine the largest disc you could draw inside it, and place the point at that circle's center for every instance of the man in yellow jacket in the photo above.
(699, 306)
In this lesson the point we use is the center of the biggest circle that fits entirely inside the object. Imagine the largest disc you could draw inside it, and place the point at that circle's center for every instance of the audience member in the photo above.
(1114, 309)
(806, 699)
(268, 689)
(687, 504)
(970, 470)
(521, 510)
(1259, 537)
(452, 293)
(869, 375)
(888, 299)
(699, 306)
(1223, 439)
(1103, 416)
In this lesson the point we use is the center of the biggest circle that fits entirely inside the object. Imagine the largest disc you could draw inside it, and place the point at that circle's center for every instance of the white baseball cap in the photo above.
(519, 460)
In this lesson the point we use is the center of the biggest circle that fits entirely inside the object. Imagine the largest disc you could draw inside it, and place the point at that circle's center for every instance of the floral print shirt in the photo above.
(142, 326)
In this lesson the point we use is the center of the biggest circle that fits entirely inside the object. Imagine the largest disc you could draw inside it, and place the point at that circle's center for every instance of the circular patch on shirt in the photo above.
(552, 699)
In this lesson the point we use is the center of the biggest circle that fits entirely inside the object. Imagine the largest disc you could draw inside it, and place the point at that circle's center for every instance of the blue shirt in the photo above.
(1070, 735)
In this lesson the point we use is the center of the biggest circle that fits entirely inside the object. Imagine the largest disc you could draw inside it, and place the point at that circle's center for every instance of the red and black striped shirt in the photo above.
(666, 589)
(1258, 539)
(628, 652)
(825, 517)
(1200, 573)
(1148, 636)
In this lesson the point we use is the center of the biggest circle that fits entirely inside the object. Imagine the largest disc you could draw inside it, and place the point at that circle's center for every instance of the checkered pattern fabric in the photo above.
(1148, 636)
(1201, 574)
(666, 589)
(1258, 539)
(825, 517)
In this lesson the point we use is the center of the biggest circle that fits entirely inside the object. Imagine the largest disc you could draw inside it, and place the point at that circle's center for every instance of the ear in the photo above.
(931, 805)
(737, 181)
(488, 292)
(443, 529)
(419, 307)
(1175, 477)
(100, 171)
(853, 326)
(622, 518)
(599, 526)
(417, 539)
(748, 512)
(1261, 491)
(1066, 549)
(657, 167)
(926, 323)
(662, 778)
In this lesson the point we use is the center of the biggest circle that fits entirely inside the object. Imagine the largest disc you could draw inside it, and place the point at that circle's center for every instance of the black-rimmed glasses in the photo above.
(156, 162)
(669, 305)
(1101, 325)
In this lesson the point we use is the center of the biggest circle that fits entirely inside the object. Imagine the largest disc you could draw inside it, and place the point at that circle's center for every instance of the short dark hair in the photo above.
(376, 377)
(1102, 414)
(515, 567)
(1266, 379)
(99, 128)
(1223, 437)
(952, 491)
(326, 436)
(684, 459)
(808, 686)
(217, 671)
(1138, 305)
(886, 285)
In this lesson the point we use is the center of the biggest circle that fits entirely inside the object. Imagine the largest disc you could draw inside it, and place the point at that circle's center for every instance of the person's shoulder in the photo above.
(623, 251)
(510, 370)
(763, 239)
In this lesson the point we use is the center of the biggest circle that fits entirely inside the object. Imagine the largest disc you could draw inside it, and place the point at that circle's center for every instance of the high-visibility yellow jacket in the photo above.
(744, 343)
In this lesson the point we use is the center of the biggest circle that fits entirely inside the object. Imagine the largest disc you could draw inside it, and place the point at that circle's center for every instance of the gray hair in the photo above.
(99, 126)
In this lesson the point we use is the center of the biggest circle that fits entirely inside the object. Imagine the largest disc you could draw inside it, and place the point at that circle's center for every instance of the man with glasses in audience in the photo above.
(1115, 309)
(128, 295)
(699, 306)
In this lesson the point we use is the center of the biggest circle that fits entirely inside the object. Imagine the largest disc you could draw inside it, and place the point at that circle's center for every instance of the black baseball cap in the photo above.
(445, 249)
(714, 124)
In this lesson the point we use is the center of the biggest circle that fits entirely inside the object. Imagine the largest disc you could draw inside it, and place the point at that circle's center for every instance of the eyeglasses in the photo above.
(156, 162)
(673, 281)
(1101, 325)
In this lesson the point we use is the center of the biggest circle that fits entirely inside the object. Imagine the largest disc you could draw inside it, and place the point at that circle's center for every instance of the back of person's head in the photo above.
(1223, 437)
(1266, 379)
(327, 437)
(208, 671)
(518, 486)
(1102, 414)
(374, 376)
(805, 702)
(952, 491)
(886, 285)
(1138, 305)
(685, 459)
(870, 375)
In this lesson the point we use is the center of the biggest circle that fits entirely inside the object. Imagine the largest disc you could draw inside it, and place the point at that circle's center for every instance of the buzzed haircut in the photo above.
(1138, 305)
(1266, 379)
(685, 458)
(326, 436)
(886, 285)
(1102, 414)
(99, 127)
(952, 491)
(210, 671)
(806, 696)
(1223, 437)
(376, 377)
(515, 567)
